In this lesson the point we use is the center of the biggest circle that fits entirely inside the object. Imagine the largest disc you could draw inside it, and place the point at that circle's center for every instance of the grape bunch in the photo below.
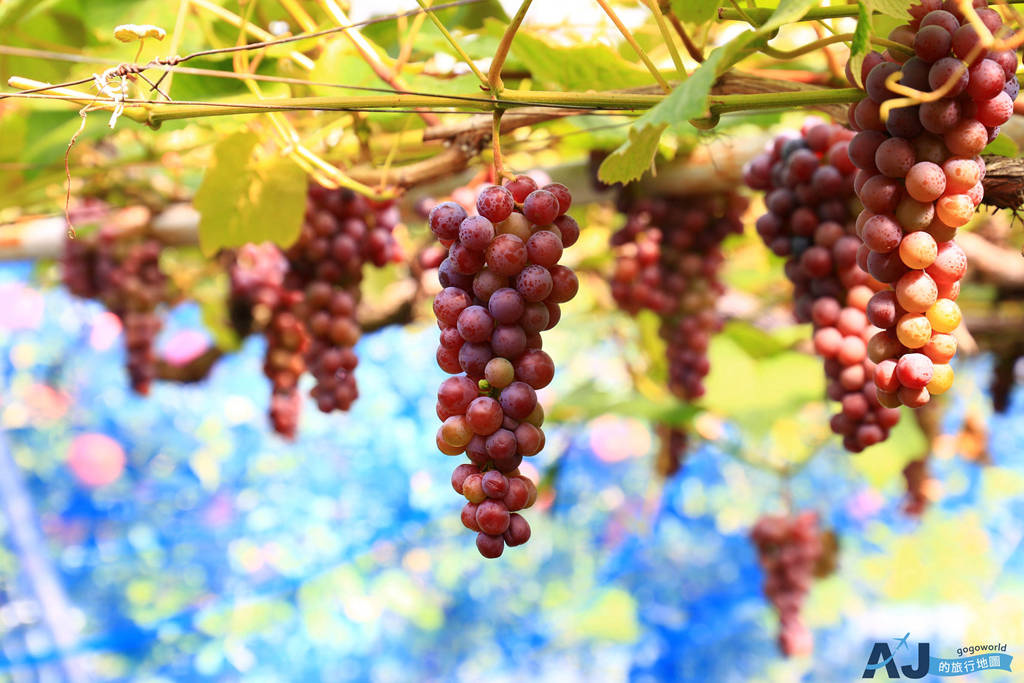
(789, 549)
(1005, 374)
(811, 204)
(258, 299)
(502, 286)
(675, 443)
(123, 272)
(918, 482)
(667, 258)
(284, 363)
(919, 180)
(255, 275)
(342, 230)
(78, 267)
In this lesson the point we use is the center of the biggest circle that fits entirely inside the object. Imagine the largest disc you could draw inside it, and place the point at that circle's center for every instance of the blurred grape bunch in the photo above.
(789, 549)
(120, 267)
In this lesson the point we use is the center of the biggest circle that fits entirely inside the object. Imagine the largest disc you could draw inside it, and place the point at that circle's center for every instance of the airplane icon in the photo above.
(902, 642)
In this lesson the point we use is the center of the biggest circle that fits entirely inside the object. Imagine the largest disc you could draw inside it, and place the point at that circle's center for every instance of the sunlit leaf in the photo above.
(861, 44)
(695, 11)
(241, 200)
(577, 67)
(1003, 146)
(894, 8)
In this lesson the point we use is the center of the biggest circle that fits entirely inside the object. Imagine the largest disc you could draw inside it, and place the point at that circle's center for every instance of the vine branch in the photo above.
(494, 73)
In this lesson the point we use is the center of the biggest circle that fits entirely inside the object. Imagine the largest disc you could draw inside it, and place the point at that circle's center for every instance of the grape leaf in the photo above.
(1003, 146)
(576, 67)
(632, 158)
(883, 462)
(695, 11)
(689, 99)
(893, 8)
(757, 343)
(17, 10)
(241, 200)
(755, 392)
(861, 44)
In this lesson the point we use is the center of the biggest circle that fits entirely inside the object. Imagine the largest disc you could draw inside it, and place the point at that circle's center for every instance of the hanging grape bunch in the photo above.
(341, 231)
(123, 272)
(259, 300)
(919, 180)
(675, 443)
(78, 267)
(789, 549)
(502, 288)
(667, 259)
(918, 483)
(811, 206)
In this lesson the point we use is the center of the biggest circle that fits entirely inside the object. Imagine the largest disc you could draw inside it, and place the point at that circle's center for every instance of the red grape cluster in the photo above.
(342, 230)
(919, 180)
(675, 443)
(1005, 373)
(78, 267)
(287, 342)
(124, 274)
(502, 288)
(918, 480)
(811, 204)
(305, 298)
(667, 258)
(259, 298)
(789, 549)
(256, 275)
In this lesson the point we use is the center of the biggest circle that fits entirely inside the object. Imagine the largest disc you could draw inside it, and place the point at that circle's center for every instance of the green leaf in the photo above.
(883, 463)
(899, 9)
(689, 100)
(588, 401)
(633, 157)
(757, 343)
(576, 67)
(861, 44)
(1003, 146)
(241, 200)
(695, 11)
(14, 11)
(757, 392)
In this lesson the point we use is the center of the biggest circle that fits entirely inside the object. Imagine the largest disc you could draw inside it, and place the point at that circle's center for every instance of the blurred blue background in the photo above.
(175, 538)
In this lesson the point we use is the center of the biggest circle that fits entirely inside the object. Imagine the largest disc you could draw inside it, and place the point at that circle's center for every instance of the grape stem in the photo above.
(494, 73)
(499, 166)
(666, 35)
(691, 47)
